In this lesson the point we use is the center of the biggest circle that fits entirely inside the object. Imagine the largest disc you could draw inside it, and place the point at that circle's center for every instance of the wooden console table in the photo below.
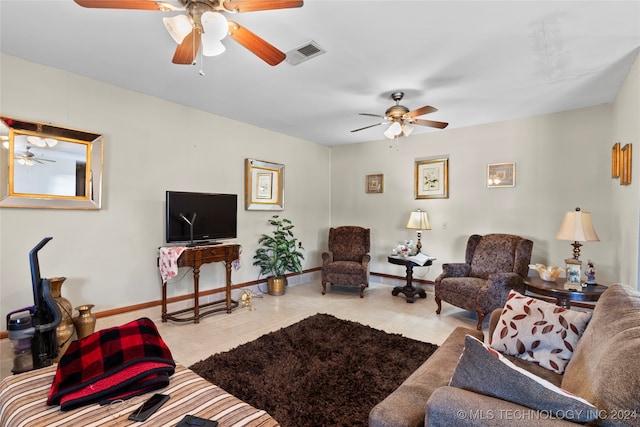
(194, 257)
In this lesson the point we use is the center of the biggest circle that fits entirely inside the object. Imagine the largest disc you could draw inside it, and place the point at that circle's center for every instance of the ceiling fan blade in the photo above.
(430, 123)
(188, 49)
(372, 115)
(367, 127)
(126, 4)
(256, 5)
(267, 52)
(419, 112)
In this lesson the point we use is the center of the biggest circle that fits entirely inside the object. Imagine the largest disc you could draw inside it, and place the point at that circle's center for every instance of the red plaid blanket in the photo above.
(115, 363)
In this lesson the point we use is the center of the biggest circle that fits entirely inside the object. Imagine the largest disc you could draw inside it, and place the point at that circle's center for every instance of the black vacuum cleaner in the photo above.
(32, 330)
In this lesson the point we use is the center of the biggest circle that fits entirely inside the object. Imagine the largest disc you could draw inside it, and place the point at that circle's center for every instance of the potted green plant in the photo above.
(278, 253)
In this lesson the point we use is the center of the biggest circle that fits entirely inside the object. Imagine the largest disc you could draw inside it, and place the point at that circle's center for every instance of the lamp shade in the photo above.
(418, 220)
(577, 226)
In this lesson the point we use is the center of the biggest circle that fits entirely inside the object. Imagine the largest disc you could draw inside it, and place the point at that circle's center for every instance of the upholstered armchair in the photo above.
(347, 261)
(494, 264)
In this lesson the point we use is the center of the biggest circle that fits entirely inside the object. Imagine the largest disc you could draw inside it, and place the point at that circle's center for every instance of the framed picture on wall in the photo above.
(263, 186)
(615, 160)
(432, 179)
(625, 165)
(375, 183)
(501, 175)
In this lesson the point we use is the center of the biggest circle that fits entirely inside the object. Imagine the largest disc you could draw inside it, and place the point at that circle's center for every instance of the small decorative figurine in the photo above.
(591, 273)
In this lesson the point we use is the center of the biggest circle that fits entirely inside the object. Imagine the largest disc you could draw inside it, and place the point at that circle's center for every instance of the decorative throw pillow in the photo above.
(483, 370)
(538, 331)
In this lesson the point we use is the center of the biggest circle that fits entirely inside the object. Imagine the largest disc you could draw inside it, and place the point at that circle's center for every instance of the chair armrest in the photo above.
(327, 257)
(494, 294)
(449, 406)
(454, 269)
(493, 320)
(504, 282)
(366, 259)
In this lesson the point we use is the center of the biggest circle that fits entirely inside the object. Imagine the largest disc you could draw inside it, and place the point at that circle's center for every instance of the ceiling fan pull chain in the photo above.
(201, 72)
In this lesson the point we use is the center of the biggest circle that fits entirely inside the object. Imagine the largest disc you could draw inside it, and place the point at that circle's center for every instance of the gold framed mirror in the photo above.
(47, 166)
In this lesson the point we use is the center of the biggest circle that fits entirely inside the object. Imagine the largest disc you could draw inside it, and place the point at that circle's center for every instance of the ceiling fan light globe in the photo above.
(178, 26)
(211, 47)
(407, 130)
(36, 140)
(215, 25)
(393, 130)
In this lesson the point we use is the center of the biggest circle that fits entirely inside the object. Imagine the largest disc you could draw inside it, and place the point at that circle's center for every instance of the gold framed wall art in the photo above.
(625, 165)
(375, 183)
(263, 186)
(615, 160)
(432, 179)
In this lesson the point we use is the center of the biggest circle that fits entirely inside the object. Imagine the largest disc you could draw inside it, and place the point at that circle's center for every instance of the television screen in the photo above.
(213, 216)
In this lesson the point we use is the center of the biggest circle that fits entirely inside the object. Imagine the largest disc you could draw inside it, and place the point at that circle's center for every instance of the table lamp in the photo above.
(576, 226)
(418, 220)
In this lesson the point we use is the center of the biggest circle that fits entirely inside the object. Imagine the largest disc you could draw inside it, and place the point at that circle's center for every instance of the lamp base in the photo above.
(574, 271)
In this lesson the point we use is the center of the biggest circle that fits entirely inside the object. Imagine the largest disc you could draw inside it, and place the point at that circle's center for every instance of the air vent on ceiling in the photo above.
(304, 52)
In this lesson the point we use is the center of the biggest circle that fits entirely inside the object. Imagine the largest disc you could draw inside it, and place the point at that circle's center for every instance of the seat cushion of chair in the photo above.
(460, 291)
(344, 267)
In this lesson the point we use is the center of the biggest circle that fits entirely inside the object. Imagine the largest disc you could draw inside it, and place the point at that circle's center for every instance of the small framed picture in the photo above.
(625, 165)
(615, 160)
(375, 183)
(501, 175)
(574, 271)
(432, 179)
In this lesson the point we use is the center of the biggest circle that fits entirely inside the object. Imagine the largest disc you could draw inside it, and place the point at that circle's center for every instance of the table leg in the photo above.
(196, 295)
(164, 301)
(228, 286)
(409, 291)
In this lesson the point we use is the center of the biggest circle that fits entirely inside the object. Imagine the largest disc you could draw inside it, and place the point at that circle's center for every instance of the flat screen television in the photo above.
(200, 218)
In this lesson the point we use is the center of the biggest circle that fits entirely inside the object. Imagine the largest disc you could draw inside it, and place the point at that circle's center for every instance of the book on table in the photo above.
(420, 258)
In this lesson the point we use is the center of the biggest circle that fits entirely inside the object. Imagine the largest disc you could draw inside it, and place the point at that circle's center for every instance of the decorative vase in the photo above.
(85, 322)
(64, 331)
(276, 285)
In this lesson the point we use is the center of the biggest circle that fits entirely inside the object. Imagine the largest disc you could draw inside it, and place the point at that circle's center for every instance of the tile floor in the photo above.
(220, 332)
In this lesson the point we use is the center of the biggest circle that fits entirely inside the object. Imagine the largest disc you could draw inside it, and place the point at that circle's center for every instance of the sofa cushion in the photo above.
(605, 368)
(538, 331)
(484, 370)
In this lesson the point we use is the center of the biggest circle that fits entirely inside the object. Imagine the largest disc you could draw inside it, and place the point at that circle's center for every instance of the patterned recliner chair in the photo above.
(494, 264)
(347, 261)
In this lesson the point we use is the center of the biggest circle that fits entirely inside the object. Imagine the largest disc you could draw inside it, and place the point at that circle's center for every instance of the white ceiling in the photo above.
(476, 61)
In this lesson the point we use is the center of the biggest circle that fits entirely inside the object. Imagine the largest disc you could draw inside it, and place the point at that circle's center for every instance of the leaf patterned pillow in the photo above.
(538, 331)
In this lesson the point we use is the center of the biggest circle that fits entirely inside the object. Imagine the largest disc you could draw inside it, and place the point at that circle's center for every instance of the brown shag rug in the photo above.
(321, 371)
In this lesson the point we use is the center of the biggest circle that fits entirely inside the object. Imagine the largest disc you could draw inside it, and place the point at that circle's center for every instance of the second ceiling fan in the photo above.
(401, 118)
(204, 24)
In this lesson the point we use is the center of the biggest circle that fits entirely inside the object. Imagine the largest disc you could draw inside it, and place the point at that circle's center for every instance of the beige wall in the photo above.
(109, 256)
(562, 161)
(624, 227)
